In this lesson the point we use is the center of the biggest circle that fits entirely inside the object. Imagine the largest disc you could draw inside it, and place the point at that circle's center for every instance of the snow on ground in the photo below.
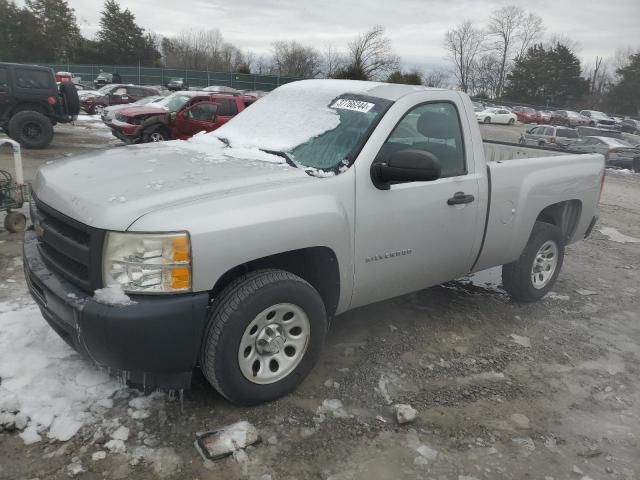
(44, 380)
(615, 236)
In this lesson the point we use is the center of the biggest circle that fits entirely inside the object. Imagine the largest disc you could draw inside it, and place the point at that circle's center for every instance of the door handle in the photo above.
(459, 198)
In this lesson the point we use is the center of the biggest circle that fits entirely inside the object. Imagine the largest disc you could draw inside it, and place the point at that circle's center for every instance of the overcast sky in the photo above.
(416, 27)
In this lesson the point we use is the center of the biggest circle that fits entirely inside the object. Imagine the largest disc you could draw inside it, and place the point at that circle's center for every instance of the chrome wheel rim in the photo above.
(274, 343)
(156, 137)
(544, 265)
(99, 110)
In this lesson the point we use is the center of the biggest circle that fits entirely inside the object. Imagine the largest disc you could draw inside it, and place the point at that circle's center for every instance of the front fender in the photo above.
(237, 227)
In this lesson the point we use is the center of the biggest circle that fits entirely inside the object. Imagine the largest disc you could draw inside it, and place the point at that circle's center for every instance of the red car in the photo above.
(543, 117)
(114, 94)
(526, 115)
(178, 117)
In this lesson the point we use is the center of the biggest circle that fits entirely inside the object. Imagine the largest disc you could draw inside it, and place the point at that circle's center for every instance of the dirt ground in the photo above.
(502, 390)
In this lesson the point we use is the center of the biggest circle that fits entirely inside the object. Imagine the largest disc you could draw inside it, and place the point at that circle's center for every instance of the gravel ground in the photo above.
(502, 390)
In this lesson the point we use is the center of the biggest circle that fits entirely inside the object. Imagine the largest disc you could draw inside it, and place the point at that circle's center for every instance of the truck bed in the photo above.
(562, 185)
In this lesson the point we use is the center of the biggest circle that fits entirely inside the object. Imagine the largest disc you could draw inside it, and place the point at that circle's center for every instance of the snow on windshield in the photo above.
(289, 116)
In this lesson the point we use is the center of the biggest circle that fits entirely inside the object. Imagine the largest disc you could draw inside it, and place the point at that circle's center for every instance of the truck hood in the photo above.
(114, 188)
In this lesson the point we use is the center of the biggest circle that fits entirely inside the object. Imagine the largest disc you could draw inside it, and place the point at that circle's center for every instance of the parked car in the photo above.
(599, 119)
(617, 153)
(103, 79)
(543, 117)
(264, 231)
(108, 114)
(568, 118)
(178, 116)
(630, 125)
(496, 115)
(177, 84)
(31, 103)
(221, 89)
(116, 94)
(526, 115)
(598, 132)
(547, 136)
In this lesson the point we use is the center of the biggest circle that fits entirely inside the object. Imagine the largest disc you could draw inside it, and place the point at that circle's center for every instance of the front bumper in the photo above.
(154, 342)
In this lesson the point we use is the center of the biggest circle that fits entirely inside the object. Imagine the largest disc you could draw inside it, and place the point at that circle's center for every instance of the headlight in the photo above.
(147, 263)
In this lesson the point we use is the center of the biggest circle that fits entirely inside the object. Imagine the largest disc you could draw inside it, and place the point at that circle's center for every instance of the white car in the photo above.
(496, 115)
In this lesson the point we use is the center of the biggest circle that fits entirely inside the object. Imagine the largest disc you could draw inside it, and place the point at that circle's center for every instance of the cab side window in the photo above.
(204, 112)
(433, 128)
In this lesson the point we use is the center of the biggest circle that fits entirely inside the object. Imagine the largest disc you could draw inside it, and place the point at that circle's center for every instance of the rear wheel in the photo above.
(31, 129)
(532, 276)
(15, 222)
(265, 334)
(487, 120)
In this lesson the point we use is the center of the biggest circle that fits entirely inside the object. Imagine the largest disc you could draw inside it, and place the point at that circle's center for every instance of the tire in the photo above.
(245, 306)
(15, 222)
(518, 277)
(71, 99)
(158, 134)
(31, 129)
(487, 120)
(512, 122)
(636, 165)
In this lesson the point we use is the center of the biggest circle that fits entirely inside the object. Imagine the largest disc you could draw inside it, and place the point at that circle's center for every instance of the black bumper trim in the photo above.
(587, 234)
(154, 342)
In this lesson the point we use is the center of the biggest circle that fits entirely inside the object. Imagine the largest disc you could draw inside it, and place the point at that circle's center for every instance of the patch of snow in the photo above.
(165, 461)
(230, 439)
(522, 341)
(116, 446)
(427, 452)
(99, 455)
(557, 296)
(121, 433)
(112, 295)
(44, 379)
(333, 407)
(75, 469)
(586, 293)
(615, 236)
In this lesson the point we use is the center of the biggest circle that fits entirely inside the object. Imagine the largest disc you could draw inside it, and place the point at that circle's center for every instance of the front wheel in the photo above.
(487, 120)
(532, 275)
(31, 129)
(15, 222)
(512, 121)
(265, 334)
(157, 135)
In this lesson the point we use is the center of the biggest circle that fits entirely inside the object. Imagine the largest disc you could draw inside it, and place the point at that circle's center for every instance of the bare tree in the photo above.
(201, 50)
(505, 26)
(436, 78)
(463, 44)
(371, 55)
(531, 31)
(485, 76)
(291, 59)
(332, 62)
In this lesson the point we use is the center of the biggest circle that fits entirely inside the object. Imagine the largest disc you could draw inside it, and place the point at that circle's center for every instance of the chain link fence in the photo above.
(161, 76)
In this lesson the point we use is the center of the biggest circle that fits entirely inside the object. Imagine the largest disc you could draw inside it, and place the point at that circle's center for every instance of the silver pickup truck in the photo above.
(232, 251)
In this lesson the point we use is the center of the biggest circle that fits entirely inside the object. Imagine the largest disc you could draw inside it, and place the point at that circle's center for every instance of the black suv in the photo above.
(31, 103)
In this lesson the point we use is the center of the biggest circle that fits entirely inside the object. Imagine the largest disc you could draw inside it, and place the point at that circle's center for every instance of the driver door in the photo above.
(414, 235)
(119, 96)
(197, 118)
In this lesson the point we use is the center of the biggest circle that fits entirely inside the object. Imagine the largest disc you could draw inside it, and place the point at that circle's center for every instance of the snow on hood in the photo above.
(112, 189)
(290, 115)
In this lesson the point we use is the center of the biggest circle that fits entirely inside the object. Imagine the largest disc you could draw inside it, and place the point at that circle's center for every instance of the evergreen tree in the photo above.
(58, 29)
(122, 40)
(625, 96)
(409, 78)
(547, 75)
(20, 35)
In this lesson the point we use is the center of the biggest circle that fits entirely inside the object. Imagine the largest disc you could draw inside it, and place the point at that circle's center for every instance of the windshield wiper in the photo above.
(284, 155)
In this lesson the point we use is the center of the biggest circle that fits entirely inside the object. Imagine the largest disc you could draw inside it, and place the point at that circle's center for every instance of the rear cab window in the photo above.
(34, 79)
(566, 133)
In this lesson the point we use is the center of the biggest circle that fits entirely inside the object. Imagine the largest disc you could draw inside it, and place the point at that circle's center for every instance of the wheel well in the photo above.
(316, 265)
(25, 107)
(564, 215)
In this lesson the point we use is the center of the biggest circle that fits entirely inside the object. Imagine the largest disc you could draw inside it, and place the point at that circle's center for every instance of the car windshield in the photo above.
(614, 142)
(320, 128)
(106, 89)
(174, 102)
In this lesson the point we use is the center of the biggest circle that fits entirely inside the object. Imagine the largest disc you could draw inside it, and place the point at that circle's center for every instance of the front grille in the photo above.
(69, 248)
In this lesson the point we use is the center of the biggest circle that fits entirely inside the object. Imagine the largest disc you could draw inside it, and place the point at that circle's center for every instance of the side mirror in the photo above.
(405, 166)
(530, 130)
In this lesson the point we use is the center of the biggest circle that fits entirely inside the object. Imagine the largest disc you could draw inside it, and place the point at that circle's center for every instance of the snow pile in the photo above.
(234, 437)
(332, 407)
(112, 295)
(289, 116)
(615, 236)
(46, 386)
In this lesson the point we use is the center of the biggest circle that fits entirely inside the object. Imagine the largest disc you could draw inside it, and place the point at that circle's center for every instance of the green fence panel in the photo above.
(161, 76)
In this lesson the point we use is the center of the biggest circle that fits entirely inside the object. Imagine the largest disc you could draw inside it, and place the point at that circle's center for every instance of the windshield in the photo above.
(174, 102)
(617, 143)
(106, 89)
(320, 128)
